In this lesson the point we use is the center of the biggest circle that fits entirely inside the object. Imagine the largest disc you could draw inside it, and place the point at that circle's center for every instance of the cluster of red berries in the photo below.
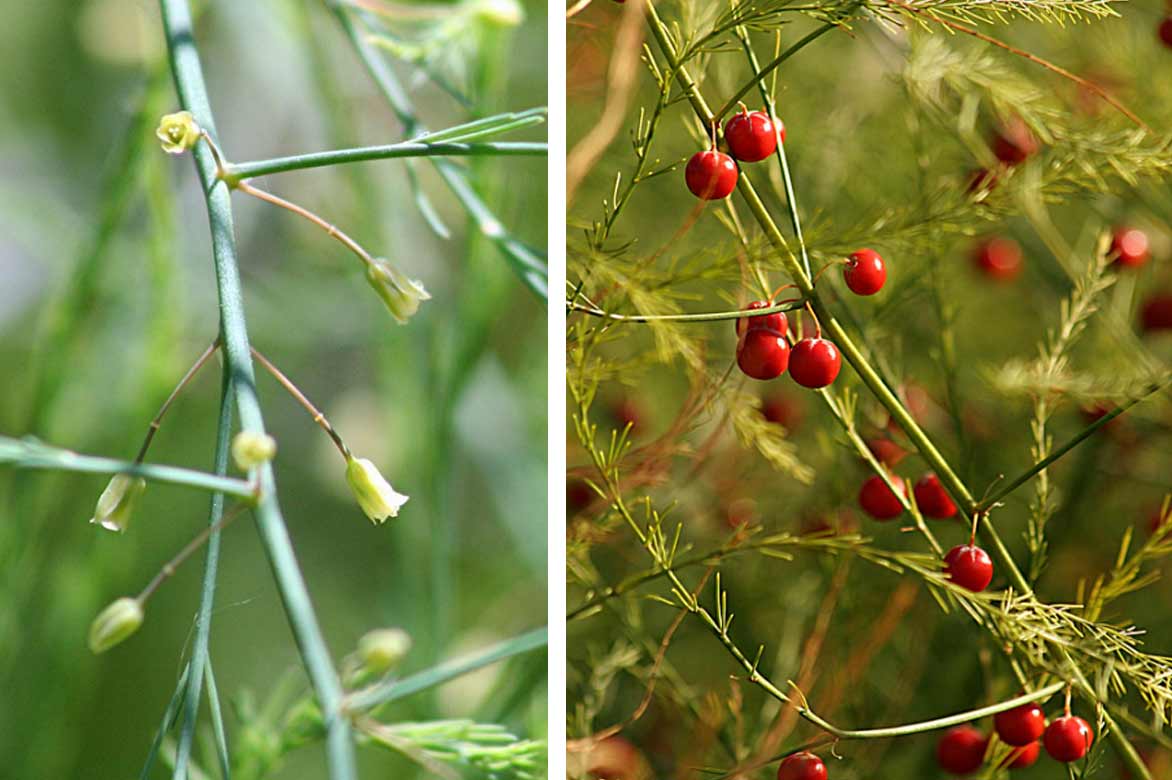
(962, 749)
(763, 351)
(751, 137)
(802, 766)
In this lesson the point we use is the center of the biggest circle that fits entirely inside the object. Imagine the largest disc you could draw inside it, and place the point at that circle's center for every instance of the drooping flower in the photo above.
(249, 449)
(179, 132)
(114, 624)
(117, 501)
(374, 494)
(401, 295)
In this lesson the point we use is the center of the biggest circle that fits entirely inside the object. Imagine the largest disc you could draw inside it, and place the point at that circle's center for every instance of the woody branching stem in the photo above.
(189, 82)
(294, 391)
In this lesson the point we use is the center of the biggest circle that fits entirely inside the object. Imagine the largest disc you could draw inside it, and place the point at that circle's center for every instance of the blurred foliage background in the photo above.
(885, 125)
(451, 407)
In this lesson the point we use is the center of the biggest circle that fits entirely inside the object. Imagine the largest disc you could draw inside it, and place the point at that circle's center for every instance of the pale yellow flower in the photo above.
(383, 649)
(179, 132)
(249, 449)
(115, 623)
(401, 295)
(117, 502)
(374, 494)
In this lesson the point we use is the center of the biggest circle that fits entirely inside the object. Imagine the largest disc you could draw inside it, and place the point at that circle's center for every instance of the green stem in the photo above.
(936, 723)
(31, 454)
(1044, 463)
(708, 316)
(189, 82)
(386, 692)
(234, 172)
(200, 659)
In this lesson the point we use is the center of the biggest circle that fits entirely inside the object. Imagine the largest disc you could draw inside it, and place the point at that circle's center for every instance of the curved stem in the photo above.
(331, 230)
(189, 82)
(708, 316)
(234, 172)
(299, 396)
(153, 427)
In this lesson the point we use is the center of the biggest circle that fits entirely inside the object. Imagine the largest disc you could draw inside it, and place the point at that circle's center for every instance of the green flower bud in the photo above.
(114, 624)
(383, 649)
(502, 13)
(249, 450)
(179, 132)
(117, 502)
(374, 494)
(400, 294)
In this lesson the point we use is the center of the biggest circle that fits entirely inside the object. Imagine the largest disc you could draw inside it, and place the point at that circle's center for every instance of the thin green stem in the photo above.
(391, 690)
(331, 229)
(170, 567)
(32, 454)
(216, 521)
(1082, 436)
(708, 316)
(306, 404)
(153, 427)
(169, 716)
(936, 723)
(218, 732)
(234, 172)
(189, 81)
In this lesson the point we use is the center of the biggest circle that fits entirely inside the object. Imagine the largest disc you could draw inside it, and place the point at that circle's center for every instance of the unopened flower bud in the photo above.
(374, 494)
(383, 649)
(117, 502)
(115, 623)
(179, 132)
(249, 449)
(401, 295)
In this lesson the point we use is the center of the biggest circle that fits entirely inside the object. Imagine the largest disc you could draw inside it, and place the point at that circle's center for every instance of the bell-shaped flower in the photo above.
(179, 132)
(401, 295)
(115, 623)
(117, 501)
(374, 494)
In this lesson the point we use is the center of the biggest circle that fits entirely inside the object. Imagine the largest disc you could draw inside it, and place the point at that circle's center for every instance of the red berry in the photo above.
(763, 354)
(1130, 247)
(815, 363)
(1013, 143)
(865, 272)
(1156, 313)
(711, 175)
(878, 500)
(578, 495)
(998, 258)
(886, 451)
(932, 498)
(1165, 31)
(1023, 757)
(1021, 725)
(750, 136)
(781, 411)
(802, 766)
(961, 750)
(775, 321)
(969, 567)
(1068, 738)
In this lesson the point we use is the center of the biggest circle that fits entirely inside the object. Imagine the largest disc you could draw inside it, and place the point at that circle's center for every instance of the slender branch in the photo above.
(936, 723)
(170, 567)
(1082, 436)
(32, 454)
(189, 81)
(153, 427)
(234, 172)
(294, 391)
(390, 690)
(331, 230)
(708, 316)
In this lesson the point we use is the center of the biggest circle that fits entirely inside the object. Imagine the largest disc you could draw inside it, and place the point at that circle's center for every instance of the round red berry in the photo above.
(763, 354)
(1156, 313)
(711, 175)
(750, 135)
(782, 411)
(775, 321)
(1165, 31)
(998, 258)
(802, 766)
(878, 500)
(1068, 738)
(886, 451)
(1013, 143)
(865, 272)
(932, 498)
(969, 567)
(1021, 725)
(1130, 246)
(815, 363)
(1024, 757)
(961, 750)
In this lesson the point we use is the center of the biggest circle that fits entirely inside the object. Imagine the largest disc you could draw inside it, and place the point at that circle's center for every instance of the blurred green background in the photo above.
(451, 407)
